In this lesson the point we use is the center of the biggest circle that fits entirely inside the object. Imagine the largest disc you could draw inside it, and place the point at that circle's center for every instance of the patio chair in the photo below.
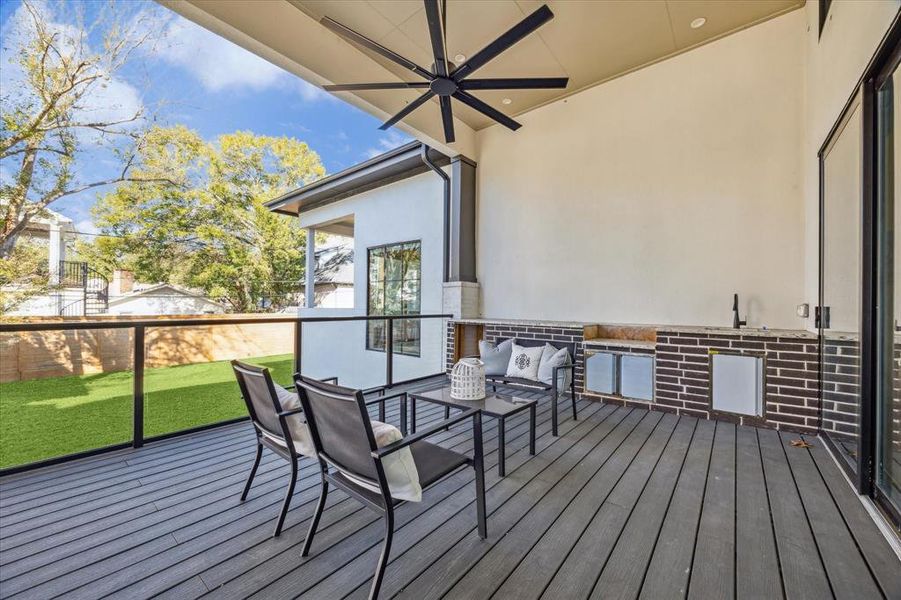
(277, 417)
(351, 458)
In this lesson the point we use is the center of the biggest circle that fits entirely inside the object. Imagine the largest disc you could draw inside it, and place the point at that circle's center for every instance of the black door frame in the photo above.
(883, 61)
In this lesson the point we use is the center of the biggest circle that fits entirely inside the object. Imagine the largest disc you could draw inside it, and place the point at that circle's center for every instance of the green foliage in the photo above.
(23, 274)
(210, 229)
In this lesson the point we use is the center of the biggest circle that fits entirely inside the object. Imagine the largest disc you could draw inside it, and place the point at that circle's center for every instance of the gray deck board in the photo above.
(715, 543)
(625, 503)
(756, 561)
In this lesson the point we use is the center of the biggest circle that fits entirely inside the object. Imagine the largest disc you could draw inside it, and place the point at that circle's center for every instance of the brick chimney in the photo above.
(123, 282)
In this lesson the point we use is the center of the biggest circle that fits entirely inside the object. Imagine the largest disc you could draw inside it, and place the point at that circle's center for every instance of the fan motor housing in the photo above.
(443, 86)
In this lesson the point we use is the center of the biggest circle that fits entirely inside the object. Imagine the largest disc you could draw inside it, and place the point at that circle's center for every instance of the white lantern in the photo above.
(468, 379)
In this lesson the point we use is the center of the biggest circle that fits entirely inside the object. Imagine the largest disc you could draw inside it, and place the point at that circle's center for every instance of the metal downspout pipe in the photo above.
(424, 151)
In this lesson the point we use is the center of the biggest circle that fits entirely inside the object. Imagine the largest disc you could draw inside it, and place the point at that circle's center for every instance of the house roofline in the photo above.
(400, 163)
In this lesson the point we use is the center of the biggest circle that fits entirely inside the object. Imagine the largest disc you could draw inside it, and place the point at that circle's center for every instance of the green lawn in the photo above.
(44, 418)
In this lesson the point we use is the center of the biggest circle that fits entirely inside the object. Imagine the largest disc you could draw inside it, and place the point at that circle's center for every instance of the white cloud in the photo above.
(86, 226)
(219, 64)
(392, 140)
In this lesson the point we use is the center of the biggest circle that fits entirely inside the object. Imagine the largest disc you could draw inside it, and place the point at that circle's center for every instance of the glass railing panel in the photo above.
(188, 380)
(340, 349)
(64, 392)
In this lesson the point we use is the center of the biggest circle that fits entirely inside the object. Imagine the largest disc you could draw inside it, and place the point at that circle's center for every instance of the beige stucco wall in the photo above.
(653, 197)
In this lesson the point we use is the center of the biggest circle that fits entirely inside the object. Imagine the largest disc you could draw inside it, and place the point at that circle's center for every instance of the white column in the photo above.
(310, 285)
(56, 252)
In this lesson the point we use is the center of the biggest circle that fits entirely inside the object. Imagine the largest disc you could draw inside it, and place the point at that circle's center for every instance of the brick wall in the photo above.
(841, 387)
(499, 332)
(791, 396)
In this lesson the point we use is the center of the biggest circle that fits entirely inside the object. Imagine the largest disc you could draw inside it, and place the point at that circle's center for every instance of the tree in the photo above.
(209, 228)
(55, 108)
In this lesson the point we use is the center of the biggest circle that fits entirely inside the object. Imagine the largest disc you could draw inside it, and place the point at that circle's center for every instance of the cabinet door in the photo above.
(738, 384)
(600, 373)
(637, 377)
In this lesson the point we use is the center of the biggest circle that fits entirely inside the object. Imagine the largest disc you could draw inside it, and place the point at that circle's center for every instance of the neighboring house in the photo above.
(391, 208)
(129, 298)
(163, 299)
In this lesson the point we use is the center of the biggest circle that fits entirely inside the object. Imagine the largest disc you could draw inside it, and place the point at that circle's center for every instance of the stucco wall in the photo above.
(406, 210)
(655, 196)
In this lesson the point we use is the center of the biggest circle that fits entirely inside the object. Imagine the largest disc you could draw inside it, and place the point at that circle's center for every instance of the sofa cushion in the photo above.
(297, 425)
(552, 357)
(496, 358)
(524, 362)
(400, 468)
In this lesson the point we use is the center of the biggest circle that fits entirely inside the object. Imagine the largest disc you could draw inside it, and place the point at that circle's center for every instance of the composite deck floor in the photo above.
(625, 503)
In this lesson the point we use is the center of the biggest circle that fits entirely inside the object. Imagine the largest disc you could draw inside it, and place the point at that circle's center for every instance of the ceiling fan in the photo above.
(446, 80)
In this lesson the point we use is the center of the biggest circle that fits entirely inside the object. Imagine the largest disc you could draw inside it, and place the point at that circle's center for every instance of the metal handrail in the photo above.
(139, 340)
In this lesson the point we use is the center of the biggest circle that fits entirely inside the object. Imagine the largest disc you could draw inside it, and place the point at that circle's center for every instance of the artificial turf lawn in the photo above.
(45, 418)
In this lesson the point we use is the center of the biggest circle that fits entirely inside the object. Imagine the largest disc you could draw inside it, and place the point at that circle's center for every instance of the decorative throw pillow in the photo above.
(524, 362)
(496, 358)
(552, 357)
(400, 468)
(300, 433)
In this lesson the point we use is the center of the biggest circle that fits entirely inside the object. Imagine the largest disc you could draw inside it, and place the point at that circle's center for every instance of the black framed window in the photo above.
(395, 288)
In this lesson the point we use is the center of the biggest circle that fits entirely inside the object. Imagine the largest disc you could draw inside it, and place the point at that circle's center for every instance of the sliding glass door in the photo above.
(887, 430)
(839, 313)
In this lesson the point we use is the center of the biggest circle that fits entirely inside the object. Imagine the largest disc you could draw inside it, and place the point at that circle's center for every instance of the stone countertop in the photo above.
(697, 329)
(619, 343)
(521, 322)
(745, 331)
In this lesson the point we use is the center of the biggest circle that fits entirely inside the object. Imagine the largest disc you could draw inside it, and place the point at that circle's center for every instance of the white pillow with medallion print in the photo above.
(524, 362)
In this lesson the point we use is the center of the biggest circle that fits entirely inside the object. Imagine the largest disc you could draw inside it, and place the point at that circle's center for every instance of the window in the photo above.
(395, 288)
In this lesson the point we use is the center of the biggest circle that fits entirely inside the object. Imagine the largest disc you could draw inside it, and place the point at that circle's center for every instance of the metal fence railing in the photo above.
(139, 328)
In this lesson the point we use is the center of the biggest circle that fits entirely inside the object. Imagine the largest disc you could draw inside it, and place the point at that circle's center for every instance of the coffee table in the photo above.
(499, 406)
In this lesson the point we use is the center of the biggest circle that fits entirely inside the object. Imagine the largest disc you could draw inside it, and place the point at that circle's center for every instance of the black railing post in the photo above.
(389, 352)
(138, 397)
(298, 344)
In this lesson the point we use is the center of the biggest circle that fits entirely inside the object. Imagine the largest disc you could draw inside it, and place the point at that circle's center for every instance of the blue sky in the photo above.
(205, 82)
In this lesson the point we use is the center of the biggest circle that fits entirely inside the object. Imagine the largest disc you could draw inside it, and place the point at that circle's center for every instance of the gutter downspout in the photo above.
(424, 152)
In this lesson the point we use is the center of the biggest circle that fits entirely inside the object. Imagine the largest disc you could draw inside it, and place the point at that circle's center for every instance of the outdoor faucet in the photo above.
(736, 320)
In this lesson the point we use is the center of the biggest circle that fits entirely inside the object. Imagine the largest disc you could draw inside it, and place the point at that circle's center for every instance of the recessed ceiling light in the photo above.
(460, 58)
(506, 101)
(698, 23)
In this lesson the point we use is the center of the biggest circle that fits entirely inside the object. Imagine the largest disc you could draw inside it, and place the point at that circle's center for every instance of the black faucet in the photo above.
(736, 321)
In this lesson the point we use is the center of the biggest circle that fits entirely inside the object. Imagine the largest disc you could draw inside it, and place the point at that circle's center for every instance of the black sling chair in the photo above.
(345, 445)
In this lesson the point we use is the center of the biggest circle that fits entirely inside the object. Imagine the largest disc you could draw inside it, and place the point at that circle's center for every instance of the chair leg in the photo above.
(383, 558)
(288, 495)
(253, 472)
(554, 412)
(572, 393)
(314, 523)
(478, 464)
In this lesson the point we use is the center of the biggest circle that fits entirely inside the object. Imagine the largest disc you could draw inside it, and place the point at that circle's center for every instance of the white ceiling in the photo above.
(587, 41)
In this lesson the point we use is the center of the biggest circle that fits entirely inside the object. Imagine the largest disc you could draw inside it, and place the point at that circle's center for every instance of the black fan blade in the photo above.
(486, 110)
(349, 34)
(529, 83)
(407, 109)
(353, 87)
(433, 16)
(447, 118)
(515, 34)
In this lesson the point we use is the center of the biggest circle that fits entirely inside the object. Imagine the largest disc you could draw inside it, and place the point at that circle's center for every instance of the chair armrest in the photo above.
(561, 367)
(333, 379)
(288, 413)
(424, 433)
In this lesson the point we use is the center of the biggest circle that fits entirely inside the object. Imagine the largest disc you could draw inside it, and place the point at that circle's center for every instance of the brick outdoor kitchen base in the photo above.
(682, 359)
